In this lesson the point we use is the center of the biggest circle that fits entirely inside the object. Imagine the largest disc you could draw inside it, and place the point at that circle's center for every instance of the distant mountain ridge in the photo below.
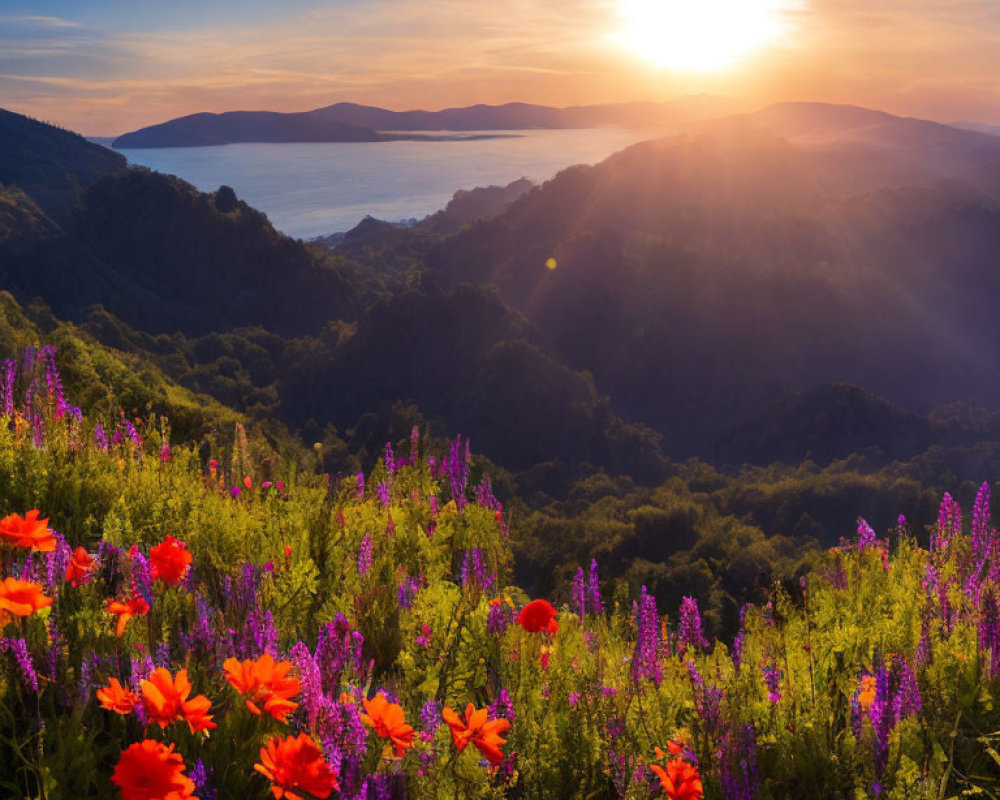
(351, 122)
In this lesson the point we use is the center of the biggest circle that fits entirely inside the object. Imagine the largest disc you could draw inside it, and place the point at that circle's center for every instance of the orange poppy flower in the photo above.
(673, 746)
(27, 531)
(79, 567)
(680, 780)
(22, 598)
(169, 561)
(115, 697)
(296, 763)
(866, 691)
(125, 611)
(150, 770)
(537, 616)
(388, 721)
(264, 683)
(477, 728)
(165, 700)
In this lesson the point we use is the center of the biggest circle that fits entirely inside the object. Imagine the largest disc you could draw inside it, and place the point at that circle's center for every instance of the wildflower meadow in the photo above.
(176, 623)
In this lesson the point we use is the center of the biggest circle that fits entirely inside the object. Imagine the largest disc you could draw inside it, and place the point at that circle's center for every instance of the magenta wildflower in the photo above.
(594, 590)
(989, 626)
(949, 524)
(499, 618)
(430, 719)
(365, 554)
(689, 633)
(646, 656)
(866, 535)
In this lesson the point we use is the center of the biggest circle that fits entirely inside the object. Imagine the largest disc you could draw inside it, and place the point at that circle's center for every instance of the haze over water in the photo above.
(313, 189)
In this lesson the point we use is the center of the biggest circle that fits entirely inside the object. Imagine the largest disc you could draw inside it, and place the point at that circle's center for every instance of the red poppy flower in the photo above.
(22, 598)
(27, 531)
(150, 770)
(264, 683)
(125, 611)
(388, 721)
(296, 763)
(478, 729)
(79, 567)
(115, 697)
(537, 616)
(165, 699)
(169, 561)
(680, 780)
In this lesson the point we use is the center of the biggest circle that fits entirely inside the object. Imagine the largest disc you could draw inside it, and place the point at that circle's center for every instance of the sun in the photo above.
(700, 35)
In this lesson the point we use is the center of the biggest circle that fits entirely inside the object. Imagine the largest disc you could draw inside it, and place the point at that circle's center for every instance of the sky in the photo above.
(104, 67)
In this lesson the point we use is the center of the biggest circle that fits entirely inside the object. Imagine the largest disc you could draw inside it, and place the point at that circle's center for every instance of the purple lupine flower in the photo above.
(100, 438)
(882, 715)
(161, 656)
(502, 707)
(201, 776)
(7, 388)
(594, 590)
(311, 679)
(690, 634)
(737, 760)
(923, 653)
(475, 572)
(407, 592)
(485, 497)
(389, 458)
(365, 554)
(259, 635)
(739, 637)
(772, 678)
(382, 490)
(499, 618)
(908, 702)
(430, 719)
(142, 583)
(361, 485)
(866, 535)
(53, 382)
(56, 562)
(949, 524)
(338, 648)
(989, 626)
(200, 639)
(981, 521)
(982, 542)
(707, 700)
(19, 649)
(646, 656)
(165, 449)
(579, 594)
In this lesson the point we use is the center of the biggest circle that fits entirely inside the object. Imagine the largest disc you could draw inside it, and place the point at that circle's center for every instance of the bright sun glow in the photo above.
(702, 35)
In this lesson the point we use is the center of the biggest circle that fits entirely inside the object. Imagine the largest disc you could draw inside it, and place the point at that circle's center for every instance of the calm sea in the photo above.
(315, 189)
